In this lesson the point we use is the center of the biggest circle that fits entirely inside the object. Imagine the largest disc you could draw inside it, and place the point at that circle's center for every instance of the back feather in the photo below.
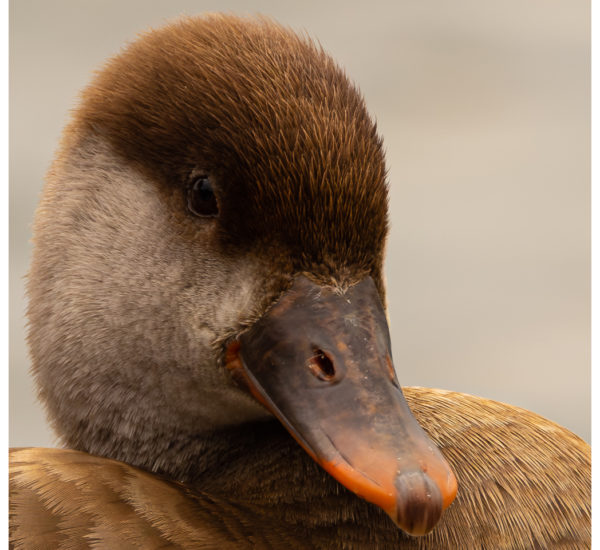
(524, 483)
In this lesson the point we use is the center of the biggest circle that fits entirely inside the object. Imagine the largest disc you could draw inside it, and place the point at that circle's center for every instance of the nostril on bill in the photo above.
(419, 502)
(321, 365)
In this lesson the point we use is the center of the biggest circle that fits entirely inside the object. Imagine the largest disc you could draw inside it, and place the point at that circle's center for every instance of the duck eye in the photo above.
(201, 199)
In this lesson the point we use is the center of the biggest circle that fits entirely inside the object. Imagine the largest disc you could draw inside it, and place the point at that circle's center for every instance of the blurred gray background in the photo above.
(485, 111)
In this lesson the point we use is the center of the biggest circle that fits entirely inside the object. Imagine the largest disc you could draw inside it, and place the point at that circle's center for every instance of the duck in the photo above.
(209, 335)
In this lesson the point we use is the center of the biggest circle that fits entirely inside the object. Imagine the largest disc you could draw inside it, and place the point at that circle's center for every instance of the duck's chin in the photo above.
(230, 406)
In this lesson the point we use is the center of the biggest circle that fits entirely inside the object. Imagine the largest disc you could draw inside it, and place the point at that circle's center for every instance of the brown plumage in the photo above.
(134, 301)
(524, 484)
(270, 115)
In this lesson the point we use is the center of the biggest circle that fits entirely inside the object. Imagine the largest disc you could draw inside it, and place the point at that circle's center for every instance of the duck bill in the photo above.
(320, 361)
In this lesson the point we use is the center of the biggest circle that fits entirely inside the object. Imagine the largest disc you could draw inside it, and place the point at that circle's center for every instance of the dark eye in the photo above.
(201, 199)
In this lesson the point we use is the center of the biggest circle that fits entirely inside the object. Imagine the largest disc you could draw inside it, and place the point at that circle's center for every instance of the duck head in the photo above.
(208, 252)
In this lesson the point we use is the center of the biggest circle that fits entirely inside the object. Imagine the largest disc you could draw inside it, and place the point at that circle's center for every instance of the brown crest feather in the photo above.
(269, 114)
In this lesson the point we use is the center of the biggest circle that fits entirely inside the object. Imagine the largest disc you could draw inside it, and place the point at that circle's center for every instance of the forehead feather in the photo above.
(268, 113)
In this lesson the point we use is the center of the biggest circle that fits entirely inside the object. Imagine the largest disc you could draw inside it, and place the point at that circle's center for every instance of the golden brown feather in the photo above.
(524, 484)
